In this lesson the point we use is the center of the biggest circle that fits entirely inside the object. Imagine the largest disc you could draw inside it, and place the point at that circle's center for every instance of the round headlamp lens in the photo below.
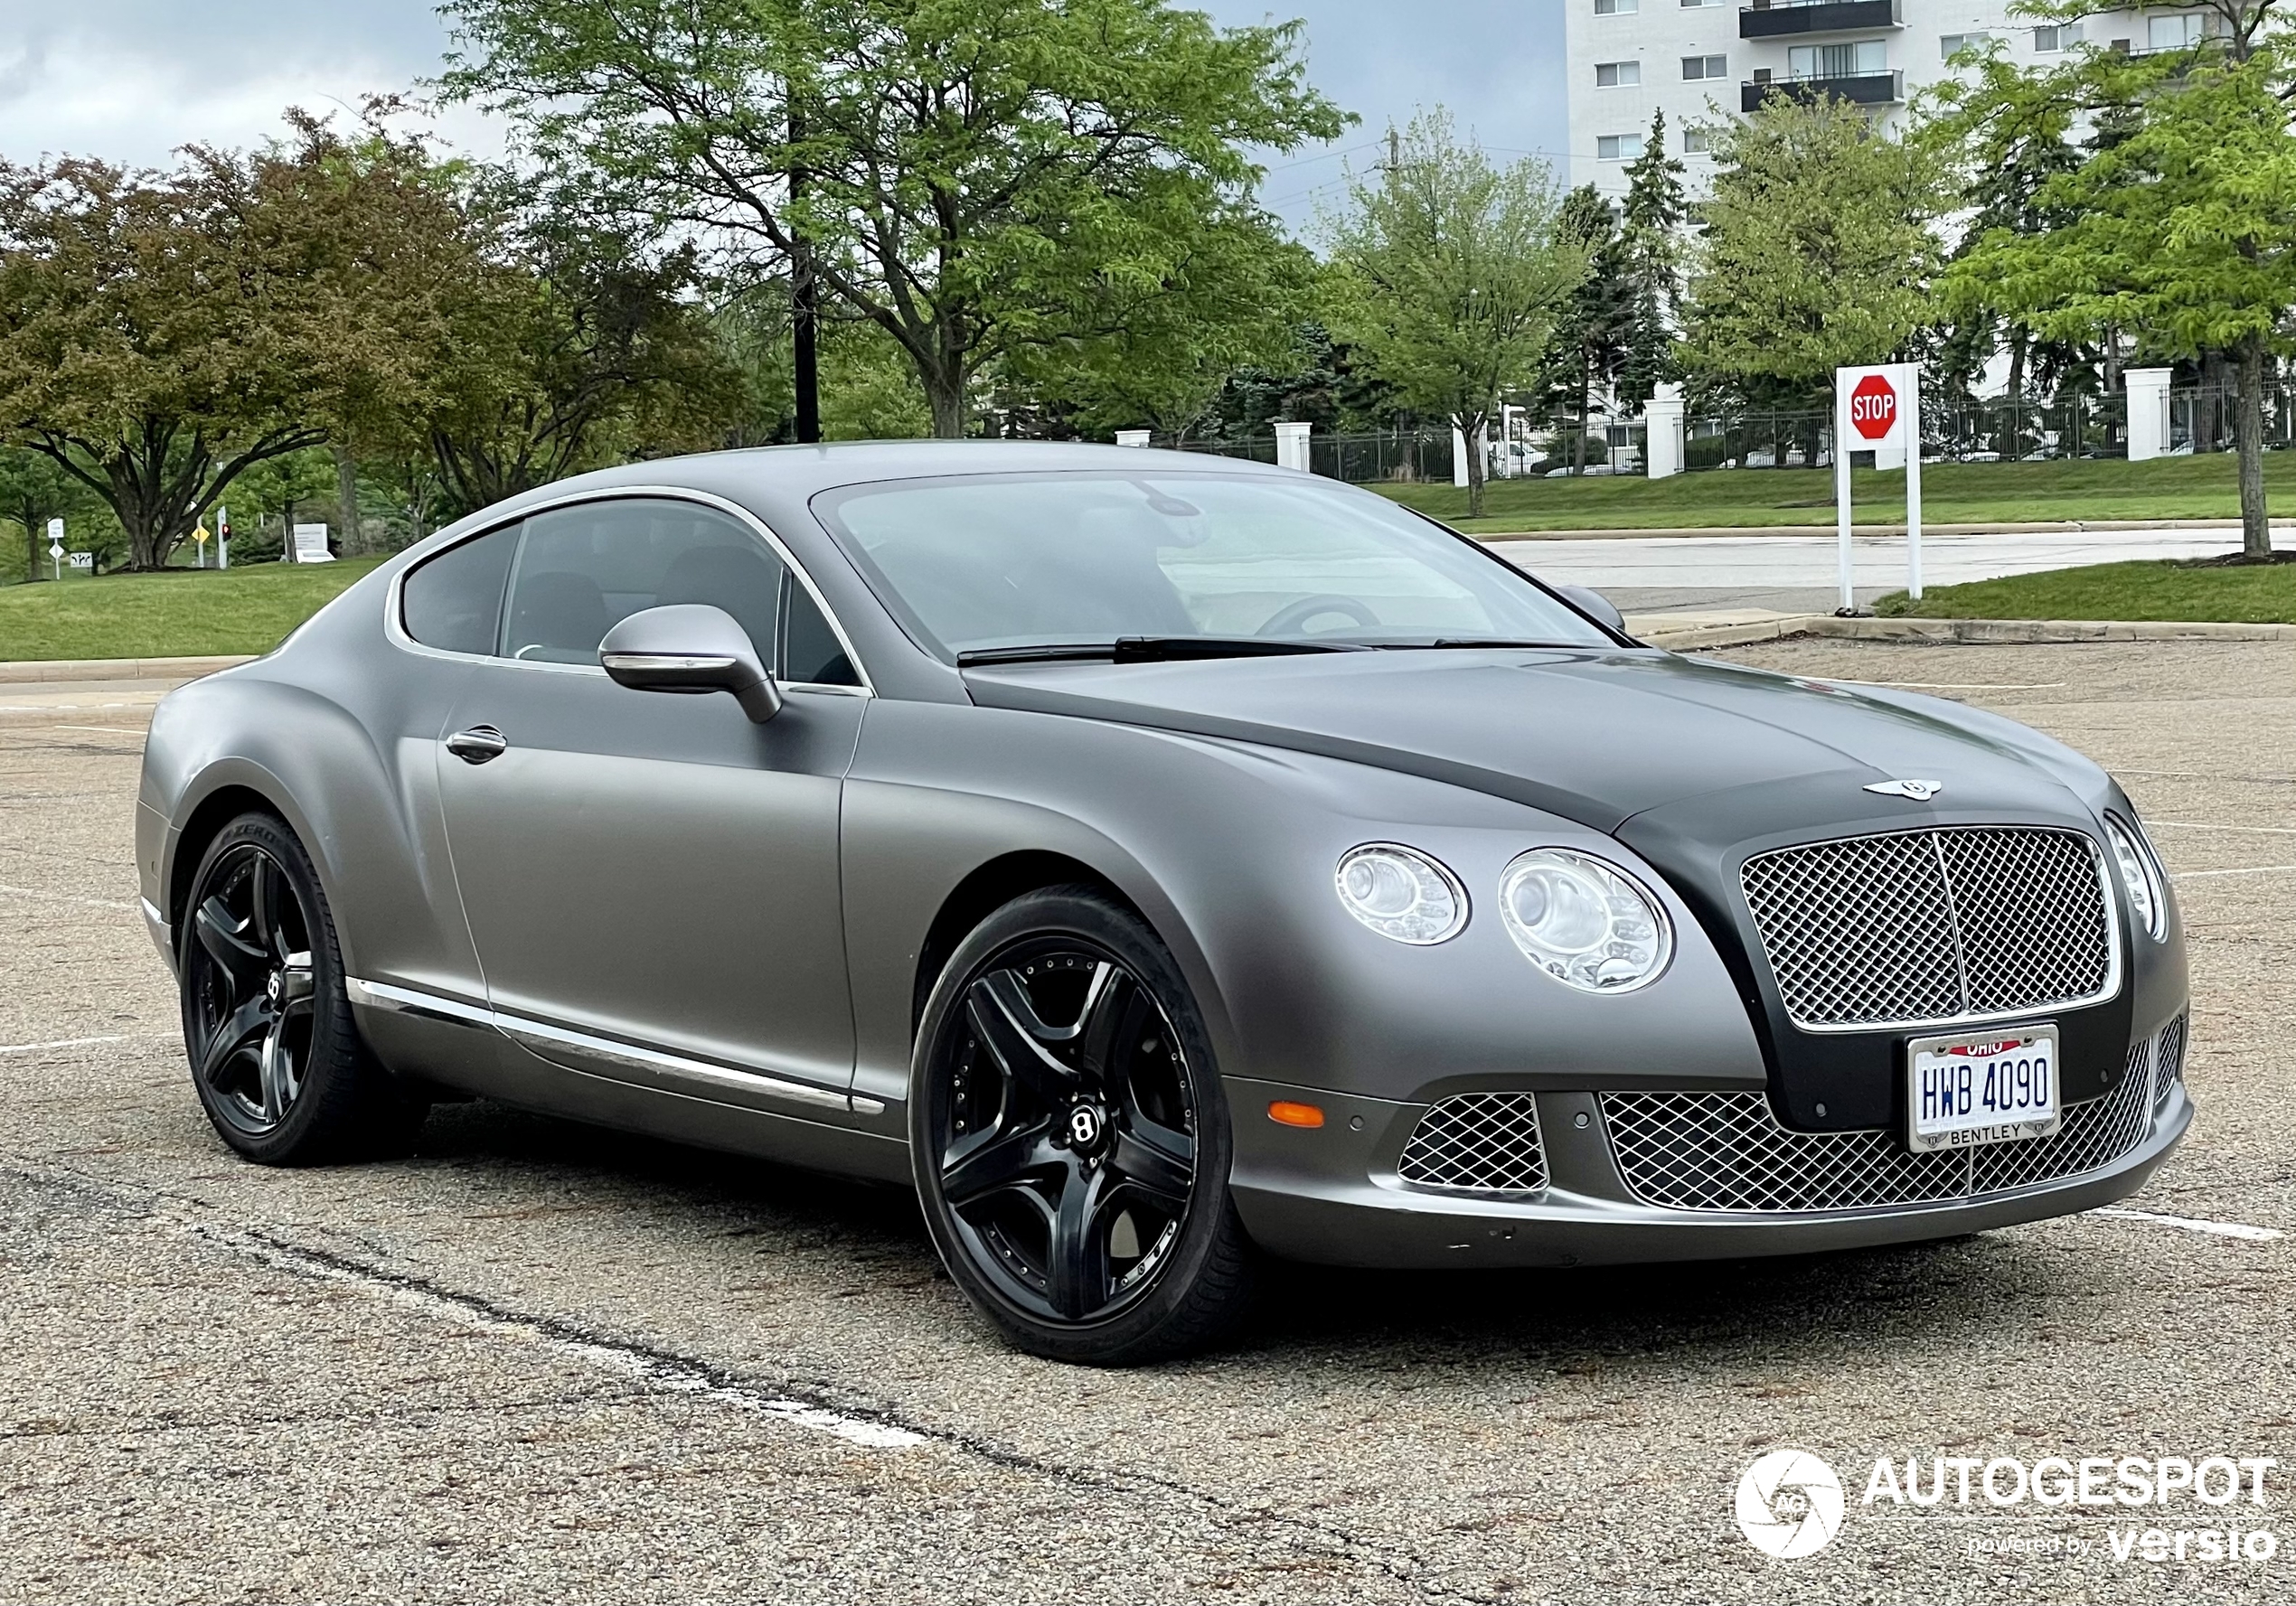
(1585, 921)
(1401, 893)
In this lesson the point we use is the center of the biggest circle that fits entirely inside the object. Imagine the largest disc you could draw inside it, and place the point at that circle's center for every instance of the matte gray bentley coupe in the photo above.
(1158, 860)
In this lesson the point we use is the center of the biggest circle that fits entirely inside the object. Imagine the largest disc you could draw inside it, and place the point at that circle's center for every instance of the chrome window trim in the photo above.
(394, 628)
(529, 1032)
(2106, 880)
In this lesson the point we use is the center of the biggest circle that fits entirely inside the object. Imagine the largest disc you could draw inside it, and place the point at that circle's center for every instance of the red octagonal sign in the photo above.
(1873, 407)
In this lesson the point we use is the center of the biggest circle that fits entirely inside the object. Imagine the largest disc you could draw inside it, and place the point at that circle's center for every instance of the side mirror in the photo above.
(690, 647)
(1595, 605)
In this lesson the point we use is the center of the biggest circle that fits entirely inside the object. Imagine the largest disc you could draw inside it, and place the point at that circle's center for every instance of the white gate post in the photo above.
(2148, 412)
(1291, 445)
(1663, 453)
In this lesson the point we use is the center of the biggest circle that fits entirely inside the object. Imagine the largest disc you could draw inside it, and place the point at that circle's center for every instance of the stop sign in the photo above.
(1873, 407)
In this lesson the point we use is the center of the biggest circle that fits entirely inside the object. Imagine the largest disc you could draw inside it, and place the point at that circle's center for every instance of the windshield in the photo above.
(995, 566)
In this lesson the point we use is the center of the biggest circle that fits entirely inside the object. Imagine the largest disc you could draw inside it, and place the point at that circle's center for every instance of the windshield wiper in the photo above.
(1476, 641)
(1153, 648)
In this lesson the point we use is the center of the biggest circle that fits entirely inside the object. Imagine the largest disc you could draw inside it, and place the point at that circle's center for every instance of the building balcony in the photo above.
(1867, 89)
(1773, 20)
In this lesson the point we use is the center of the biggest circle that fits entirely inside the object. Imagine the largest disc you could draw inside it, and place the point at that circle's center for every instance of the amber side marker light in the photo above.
(1285, 1112)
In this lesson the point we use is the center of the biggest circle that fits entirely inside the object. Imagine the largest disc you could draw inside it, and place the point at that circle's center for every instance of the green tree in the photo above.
(34, 489)
(1453, 275)
(1650, 267)
(1814, 251)
(2179, 228)
(1598, 320)
(979, 176)
(566, 348)
(160, 334)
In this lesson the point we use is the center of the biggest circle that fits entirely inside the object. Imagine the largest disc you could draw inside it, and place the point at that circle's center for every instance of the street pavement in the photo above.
(1798, 574)
(538, 1361)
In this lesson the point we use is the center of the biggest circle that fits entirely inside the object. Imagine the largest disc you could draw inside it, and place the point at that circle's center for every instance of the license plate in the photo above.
(1964, 1091)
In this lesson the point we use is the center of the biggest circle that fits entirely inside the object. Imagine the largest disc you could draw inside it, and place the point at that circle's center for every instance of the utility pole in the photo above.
(805, 305)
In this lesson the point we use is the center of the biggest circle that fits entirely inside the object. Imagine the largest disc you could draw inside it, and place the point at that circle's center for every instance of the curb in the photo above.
(116, 669)
(1971, 632)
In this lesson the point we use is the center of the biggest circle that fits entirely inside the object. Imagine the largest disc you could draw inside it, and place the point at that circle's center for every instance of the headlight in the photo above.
(1584, 921)
(1401, 893)
(2140, 874)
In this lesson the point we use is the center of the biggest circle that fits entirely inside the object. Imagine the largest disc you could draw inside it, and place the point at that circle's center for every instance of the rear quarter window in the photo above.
(454, 602)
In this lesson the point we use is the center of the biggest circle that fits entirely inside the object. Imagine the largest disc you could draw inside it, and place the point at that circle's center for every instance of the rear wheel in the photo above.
(276, 1059)
(1069, 1137)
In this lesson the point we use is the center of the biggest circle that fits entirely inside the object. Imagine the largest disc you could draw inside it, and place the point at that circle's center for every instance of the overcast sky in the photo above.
(130, 80)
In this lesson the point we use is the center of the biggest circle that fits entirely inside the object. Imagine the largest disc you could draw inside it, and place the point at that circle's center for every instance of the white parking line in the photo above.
(2222, 1229)
(58, 1043)
(106, 729)
(2276, 830)
(63, 898)
(2251, 869)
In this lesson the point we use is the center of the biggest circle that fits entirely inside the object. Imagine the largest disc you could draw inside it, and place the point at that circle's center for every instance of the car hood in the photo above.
(1596, 735)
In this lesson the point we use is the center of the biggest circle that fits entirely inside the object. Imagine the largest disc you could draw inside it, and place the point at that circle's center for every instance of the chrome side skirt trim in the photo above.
(539, 1037)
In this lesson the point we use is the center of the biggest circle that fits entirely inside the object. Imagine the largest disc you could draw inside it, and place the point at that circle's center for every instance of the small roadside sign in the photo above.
(199, 536)
(85, 561)
(56, 548)
(1878, 408)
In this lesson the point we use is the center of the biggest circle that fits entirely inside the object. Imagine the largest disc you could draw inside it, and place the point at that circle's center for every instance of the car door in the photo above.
(650, 881)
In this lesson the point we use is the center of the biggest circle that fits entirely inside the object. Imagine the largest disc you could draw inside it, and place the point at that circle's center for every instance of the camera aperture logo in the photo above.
(1789, 1504)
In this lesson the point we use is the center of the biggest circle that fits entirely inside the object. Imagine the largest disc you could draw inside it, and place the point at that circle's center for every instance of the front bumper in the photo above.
(1332, 1195)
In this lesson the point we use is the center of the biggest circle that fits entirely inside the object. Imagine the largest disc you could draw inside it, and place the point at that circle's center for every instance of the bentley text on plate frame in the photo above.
(1159, 862)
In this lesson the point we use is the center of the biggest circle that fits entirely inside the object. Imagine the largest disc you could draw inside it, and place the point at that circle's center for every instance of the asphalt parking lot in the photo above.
(540, 1362)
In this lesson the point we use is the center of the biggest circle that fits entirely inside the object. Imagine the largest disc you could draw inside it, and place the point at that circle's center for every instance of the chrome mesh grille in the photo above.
(2168, 1065)
(1477, 1143)
(1906, 928)
(1726, 1151)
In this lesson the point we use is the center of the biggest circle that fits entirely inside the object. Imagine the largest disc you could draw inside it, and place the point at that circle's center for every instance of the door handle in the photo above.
(478, 744)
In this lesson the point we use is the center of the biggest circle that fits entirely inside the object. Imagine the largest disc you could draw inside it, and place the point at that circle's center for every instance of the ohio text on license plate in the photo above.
(1964, 1091)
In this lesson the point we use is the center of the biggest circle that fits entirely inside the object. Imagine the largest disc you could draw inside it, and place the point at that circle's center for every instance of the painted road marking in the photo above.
(2222, 1229)
(2251, 870)
(63, 898)
(2277, 831)
(58, 1043)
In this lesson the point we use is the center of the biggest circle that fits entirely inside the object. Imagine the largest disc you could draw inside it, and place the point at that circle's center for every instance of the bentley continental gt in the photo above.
(1159, 862)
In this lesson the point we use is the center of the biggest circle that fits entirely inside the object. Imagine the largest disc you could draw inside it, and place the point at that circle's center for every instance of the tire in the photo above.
(276, 1059)
(1071, 1139)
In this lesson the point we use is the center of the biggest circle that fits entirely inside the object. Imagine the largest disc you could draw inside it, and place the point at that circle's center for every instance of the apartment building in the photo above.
(1701, 61)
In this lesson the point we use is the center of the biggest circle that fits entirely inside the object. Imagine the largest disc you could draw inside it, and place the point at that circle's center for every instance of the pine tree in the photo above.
(1598, 322)
(1649, 245)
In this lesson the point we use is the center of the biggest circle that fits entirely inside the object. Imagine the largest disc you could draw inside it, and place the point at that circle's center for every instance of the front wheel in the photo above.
(1069, 1137)
(276, 1059)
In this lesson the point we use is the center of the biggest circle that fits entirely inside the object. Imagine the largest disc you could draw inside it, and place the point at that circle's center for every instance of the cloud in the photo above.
(130, 80)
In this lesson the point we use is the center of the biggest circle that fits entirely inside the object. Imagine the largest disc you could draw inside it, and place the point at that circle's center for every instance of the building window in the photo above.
(1695, 142)
(2061, 36)
(2176, 33)
(1697, 67)
(1861, 59)
(1617, 75)
(1618, 147)
(1617, 8)
(1950, 45)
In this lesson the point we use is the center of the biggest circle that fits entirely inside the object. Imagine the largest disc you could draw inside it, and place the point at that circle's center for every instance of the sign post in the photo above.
(56, 548)
(1878, 408)
(199, 534)
(222, 536)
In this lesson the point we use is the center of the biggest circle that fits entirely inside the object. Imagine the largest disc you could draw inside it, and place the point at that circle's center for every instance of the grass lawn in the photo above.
(176, 613)
(2195, 487)
(2264, 594)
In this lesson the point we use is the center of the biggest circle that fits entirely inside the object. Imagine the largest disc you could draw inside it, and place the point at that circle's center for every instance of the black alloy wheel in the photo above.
(1069, 1137)
(275, 1056)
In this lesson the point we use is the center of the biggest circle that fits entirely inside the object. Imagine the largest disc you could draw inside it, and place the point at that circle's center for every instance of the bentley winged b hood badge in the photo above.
(1919, 791)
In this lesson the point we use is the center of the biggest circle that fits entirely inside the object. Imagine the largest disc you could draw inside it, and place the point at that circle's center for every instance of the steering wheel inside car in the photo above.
(1289, 619)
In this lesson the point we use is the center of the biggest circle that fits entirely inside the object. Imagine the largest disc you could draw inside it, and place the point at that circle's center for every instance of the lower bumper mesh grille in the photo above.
(1726, 1151)
(1477, 1143)
(2169, 1061)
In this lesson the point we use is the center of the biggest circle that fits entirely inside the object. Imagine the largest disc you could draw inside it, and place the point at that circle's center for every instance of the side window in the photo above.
(454, 602)
(812, 654)
(585, 568)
